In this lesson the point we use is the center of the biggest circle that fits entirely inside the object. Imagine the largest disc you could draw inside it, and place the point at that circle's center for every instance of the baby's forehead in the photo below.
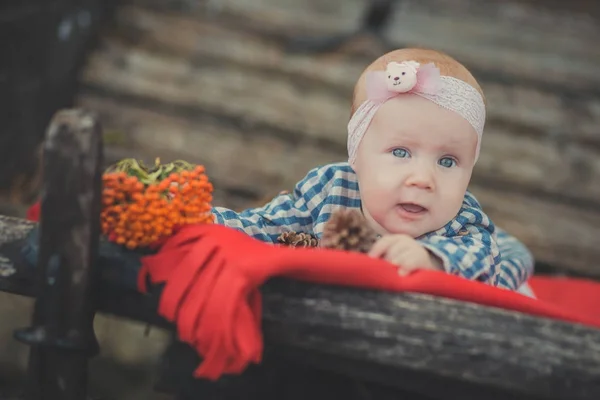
(418, 119)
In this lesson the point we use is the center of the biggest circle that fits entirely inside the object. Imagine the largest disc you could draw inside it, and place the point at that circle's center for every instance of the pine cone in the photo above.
(294, 239)
(348, 230)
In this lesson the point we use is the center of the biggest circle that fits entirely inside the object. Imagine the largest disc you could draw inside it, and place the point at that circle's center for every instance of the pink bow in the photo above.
(405, 77)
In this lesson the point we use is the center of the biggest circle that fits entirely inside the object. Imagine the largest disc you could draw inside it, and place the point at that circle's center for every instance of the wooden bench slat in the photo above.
(533, 44)
(205, 40)
(476, 350)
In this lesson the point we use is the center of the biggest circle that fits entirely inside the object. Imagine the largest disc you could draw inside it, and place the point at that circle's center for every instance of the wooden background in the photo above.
(211, 82)
(43, 45)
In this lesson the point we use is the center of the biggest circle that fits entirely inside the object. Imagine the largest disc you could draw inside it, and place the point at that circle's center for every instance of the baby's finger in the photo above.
(397, 252)
(407, 269)
(407, 262)
(381, 247)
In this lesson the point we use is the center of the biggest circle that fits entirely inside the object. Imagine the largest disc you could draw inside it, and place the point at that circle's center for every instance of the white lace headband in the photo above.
(425, 81)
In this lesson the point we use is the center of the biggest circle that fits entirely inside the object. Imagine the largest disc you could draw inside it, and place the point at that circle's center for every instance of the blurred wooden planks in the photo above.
(256, 164)
(509, 38)
(220, 89)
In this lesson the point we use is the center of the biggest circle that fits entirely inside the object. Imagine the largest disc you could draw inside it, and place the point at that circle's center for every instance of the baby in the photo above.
(413, 140)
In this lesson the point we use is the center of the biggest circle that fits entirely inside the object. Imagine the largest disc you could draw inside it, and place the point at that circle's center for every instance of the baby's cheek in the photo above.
(386, 177)
(373, 200)
(452, 203)
(376, 187)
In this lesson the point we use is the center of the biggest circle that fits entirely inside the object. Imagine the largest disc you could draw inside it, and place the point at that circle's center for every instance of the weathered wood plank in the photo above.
(545, 113)
(309, 315)
(414, 342)
(219, 89)
(553, 47)
(230, 154)
(582, 8)
(320, 115)
(560, 235)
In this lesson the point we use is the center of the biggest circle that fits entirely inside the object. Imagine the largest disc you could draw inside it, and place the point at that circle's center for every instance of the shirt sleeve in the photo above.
(468, 247)
(295, 211)
(517, 260)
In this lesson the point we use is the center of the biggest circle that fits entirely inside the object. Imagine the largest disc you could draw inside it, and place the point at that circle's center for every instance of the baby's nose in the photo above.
(396, 78)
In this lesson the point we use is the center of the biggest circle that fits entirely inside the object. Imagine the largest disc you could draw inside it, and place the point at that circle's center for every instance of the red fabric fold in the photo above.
(579, 296)
(212, 276)
(33, 212)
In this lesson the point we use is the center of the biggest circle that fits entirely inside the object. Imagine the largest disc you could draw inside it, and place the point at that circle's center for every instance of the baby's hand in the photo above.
(405, 252)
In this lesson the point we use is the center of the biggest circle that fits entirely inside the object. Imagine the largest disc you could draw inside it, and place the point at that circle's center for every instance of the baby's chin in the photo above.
(389, 224)
(414, 229)
(406, 230)
(409, 229)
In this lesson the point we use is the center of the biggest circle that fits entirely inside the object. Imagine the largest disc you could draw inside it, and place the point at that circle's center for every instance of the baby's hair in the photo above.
(447, 65)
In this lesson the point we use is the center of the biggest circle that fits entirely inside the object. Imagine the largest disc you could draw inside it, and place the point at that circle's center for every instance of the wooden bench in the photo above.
(369, 342)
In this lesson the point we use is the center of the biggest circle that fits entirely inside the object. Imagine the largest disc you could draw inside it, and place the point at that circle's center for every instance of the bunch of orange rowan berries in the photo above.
(141, 205)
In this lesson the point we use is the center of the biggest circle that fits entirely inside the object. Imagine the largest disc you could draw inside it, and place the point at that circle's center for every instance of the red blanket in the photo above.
(213, 273)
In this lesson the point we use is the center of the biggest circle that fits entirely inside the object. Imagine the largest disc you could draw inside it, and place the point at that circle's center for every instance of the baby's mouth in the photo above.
(412, 208)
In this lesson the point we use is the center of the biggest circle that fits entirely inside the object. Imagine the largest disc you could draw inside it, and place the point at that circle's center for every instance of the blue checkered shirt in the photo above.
(469, 246)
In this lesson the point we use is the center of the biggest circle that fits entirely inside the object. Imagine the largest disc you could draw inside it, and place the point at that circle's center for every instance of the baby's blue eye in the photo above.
(400, 153)
(447, 162)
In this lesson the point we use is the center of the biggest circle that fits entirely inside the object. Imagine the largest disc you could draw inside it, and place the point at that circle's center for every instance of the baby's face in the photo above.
(414, 165)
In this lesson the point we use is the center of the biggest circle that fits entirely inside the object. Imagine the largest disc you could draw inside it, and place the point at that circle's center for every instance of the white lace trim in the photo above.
(454, 95)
